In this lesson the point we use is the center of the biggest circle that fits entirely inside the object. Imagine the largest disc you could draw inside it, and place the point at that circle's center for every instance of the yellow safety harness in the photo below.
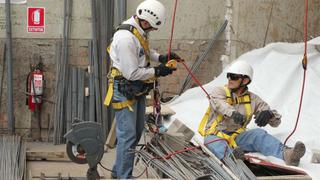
(113, 73)
(212, 130)
(144, 42)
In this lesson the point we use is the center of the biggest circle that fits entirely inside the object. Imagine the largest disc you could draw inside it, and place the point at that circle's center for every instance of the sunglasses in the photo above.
(234, 77)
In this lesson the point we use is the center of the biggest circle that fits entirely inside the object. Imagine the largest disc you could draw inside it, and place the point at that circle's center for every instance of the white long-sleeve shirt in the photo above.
(128, 55)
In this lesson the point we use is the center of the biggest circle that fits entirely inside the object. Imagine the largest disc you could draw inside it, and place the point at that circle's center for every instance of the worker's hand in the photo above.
(263, 118)
(164, 58)
(238, 118)
(162, 70)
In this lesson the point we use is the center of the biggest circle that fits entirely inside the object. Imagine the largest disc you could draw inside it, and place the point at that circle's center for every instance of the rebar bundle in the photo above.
(71, 104)
(74, 108)
(12, 158)
(62, 75)
(179, 159)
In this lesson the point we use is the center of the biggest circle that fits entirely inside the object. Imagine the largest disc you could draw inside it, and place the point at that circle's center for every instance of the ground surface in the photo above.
(58, 163)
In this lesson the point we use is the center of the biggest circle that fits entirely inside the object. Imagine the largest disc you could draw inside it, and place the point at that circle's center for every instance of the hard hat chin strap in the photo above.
(242, 87)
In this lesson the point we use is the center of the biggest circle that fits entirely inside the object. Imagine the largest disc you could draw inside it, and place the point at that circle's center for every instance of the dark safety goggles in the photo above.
(234, 77)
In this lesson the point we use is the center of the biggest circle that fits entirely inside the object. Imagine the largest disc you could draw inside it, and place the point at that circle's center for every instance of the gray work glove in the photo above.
(238, 118)
(263, 118)
(162, 70)
(164, 58)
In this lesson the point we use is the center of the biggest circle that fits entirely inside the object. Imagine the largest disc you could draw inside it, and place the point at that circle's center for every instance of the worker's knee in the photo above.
(250, 137)
(258, 131)
(217, 146)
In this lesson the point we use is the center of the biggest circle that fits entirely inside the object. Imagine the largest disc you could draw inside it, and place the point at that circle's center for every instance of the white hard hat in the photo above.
(152, 11)
(241, 67)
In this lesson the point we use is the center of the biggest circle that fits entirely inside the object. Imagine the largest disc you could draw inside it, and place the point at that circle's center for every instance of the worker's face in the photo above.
(234, 80)
(146, 26)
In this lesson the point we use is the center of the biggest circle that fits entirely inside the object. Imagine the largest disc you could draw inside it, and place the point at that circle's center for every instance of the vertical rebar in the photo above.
(80, 100)
(13, 158)
(9, 67)
(60, 121)
(91, 85)
(69, 101)
(122, 12)
(96, 61)
(74, 85)
(107, 63)
(2, 72)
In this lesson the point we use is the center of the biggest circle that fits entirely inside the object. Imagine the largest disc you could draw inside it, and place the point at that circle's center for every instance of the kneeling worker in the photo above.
(231, 109)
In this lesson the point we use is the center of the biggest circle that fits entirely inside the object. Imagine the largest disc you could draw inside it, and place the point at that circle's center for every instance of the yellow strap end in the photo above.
(108, 98)
(130, 108)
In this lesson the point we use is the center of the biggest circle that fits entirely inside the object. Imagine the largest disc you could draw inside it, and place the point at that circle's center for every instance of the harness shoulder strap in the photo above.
(143, 41)
(240, 100)
(247, 106)
(127, 27)
(228, 95)
(204, 122)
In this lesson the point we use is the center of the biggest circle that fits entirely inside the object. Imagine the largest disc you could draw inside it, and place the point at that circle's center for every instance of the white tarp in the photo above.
(278, 76)
(15, 1)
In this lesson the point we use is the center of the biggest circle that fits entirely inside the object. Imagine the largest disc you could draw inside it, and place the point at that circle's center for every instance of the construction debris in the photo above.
(12, 158)
(179, 159)
(165, 110)
(178, 127)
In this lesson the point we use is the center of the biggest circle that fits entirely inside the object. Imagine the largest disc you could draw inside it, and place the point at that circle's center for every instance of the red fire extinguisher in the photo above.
(35, 89)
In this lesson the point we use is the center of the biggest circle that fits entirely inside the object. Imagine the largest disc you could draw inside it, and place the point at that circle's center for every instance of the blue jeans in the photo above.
(255, 140)
(130, 125)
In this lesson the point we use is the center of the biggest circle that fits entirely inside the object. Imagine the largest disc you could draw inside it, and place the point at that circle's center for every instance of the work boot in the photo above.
(238, 153)
(92, 174)
(293, 155)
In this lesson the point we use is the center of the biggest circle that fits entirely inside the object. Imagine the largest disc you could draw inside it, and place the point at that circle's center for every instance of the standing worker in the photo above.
(231, 110)
(129, 80)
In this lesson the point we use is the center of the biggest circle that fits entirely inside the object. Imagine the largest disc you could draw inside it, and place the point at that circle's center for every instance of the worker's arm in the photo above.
(261, 106)
(218, 101)
(154, 55)
(128, 53)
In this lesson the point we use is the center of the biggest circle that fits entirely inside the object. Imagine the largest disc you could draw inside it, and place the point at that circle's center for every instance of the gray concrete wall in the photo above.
(285, 19)
(81, 19)
(194, 19)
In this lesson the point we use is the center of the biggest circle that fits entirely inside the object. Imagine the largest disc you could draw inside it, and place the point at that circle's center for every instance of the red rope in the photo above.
(306, 28)
(304, 65)
(156, 103)
(168, 156)
(169, 50)
(172, 28)
(195, 79)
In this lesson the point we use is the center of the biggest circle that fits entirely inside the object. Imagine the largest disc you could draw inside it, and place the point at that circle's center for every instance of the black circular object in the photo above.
(76, 153)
